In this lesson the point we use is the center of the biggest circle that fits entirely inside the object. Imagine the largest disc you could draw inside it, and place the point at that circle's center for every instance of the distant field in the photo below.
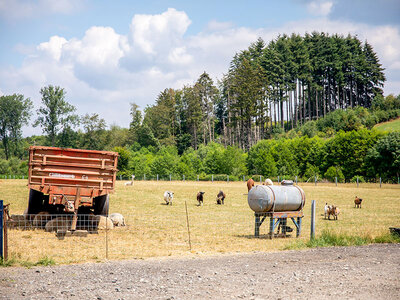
(156, 230)
(393, 125)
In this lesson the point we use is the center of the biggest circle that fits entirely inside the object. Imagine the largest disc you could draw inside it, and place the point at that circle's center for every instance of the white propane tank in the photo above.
(277, 198)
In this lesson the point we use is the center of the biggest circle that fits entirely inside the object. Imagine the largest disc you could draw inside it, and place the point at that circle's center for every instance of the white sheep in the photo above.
(268, 182)
(117, 219)
(327, 208)
(168, 197)
(130, 182)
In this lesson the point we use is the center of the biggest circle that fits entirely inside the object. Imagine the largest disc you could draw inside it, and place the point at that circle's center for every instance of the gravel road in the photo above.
(367, 272)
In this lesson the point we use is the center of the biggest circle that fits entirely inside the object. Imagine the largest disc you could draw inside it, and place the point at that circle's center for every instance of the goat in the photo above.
(326, 209)
(200, 198)
(117, 219)
(334, 211)
(168, 197)
(130, 182)
(357, 202)
(250, 184)
(221, 197)
(268, 182)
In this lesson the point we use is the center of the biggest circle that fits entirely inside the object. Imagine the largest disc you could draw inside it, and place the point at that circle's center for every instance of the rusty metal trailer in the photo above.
(66, 180)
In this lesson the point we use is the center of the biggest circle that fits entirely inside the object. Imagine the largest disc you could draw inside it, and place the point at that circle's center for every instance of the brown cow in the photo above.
(221, 197)
(250, 184)
(357, 202)
(200, 197)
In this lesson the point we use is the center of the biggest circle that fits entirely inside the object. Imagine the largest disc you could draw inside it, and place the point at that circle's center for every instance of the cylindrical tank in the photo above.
(277, 198)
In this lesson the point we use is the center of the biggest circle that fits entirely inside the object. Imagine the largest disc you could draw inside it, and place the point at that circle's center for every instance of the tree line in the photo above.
(293, 86)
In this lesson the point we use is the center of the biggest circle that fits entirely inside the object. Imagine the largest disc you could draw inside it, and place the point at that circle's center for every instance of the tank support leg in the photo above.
(271, 227)
(298, 230)
(257, 226)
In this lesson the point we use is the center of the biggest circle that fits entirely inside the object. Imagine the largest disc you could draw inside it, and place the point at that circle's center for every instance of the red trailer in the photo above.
(65, 180)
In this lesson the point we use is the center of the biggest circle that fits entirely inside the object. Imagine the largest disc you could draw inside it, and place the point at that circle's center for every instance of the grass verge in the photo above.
(329, 239)
(44, 261)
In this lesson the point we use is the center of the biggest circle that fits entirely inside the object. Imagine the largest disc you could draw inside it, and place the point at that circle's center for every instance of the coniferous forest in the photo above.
(296, 94)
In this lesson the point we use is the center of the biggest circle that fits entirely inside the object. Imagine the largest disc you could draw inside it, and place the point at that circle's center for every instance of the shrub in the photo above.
(333, 172)
(360, 179)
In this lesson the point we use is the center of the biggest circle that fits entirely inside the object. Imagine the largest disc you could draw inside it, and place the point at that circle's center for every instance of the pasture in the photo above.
(393, 125)
(157, 230)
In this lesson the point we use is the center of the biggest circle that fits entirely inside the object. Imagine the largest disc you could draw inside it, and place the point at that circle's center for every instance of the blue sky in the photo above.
(107, 54)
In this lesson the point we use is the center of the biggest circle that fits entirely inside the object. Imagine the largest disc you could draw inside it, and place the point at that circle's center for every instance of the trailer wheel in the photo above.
(35, 204)
(101, 205)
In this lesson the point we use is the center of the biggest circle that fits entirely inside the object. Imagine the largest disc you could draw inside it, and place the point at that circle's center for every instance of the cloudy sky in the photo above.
(107, 54)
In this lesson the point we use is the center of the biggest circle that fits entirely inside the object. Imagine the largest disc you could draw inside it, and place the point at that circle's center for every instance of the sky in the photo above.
(108, 54)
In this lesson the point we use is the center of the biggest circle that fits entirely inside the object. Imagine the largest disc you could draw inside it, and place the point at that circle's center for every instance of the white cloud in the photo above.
(18, 9)
(104, 71)
(320, 8)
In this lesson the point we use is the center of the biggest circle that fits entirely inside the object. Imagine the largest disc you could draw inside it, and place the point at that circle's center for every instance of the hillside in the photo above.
(393, 125)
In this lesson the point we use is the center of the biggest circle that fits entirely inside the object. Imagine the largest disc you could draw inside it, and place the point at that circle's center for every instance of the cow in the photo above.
(221, 197)
(200, 198)
(250, 184)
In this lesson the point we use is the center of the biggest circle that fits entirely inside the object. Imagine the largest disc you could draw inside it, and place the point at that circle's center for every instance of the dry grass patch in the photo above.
(155, 229)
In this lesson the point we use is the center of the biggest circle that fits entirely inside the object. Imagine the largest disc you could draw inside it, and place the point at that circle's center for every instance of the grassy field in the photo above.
(155, 230)
(393, 125)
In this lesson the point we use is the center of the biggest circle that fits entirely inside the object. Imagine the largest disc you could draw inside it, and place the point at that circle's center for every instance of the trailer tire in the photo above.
(35, 204)
(101, 205)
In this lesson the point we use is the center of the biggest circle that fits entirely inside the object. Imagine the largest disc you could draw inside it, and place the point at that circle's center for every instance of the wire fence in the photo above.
(31, 237)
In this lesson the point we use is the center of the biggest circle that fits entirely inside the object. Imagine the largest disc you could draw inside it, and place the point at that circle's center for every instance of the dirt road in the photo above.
(368, 272)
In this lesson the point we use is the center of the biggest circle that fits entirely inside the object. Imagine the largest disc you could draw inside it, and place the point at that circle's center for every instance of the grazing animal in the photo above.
(168, 197)
(130, 182)
(333, 211)
(268, 182)
(357, 202)
(250, 184)
(326, 209)
(221, 197)
(117, 219)
(200, 198)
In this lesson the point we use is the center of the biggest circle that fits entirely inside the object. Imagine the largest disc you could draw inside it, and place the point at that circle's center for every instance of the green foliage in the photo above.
(334, 173)
(384, 157)
(360, 179)
(15, 112)
(348, 150)
(260, 159)
(311, 172)
(56, 114)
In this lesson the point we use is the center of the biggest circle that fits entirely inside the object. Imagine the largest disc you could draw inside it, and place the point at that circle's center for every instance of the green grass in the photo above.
(44, 261)
(329, 239)
(393, 125)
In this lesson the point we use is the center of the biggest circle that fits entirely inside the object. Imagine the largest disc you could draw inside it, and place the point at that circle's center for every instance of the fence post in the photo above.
(312, 236)
(183, 177)
(227, 178)
(380, 182)
(336, 180)
(260, 178)
(144, 177)
(315, 180)
(212, 178)
(157, 177)
(106, 240)
(357, 181)
(170, 177)
(1, 229)
(197, 177)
